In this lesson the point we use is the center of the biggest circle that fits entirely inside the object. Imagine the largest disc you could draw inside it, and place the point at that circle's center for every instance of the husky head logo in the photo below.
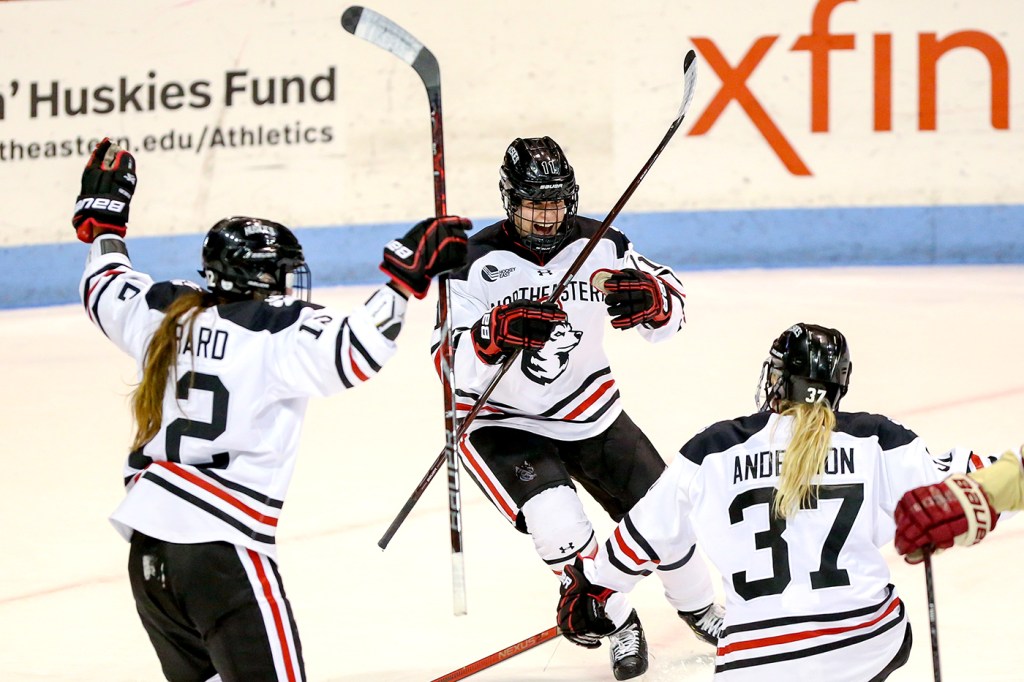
(547, 364)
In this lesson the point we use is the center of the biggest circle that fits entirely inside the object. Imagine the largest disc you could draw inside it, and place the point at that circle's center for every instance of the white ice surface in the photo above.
(936, 348)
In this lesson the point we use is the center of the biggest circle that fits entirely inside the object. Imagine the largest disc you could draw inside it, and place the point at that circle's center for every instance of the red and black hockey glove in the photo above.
(519, 324)
(634, 297)
(432, 247)
(955, 511)
(108, 183)
(581, 615)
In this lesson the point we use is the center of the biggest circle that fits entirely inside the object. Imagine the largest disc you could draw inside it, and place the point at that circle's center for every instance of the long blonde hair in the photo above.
(148, 396)
(804, 461)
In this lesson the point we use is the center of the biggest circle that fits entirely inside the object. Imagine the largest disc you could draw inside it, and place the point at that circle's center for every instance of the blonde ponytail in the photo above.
(804, 461)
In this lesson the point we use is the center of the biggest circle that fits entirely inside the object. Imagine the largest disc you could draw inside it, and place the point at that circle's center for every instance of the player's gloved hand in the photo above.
(519, 324)
(432, 247)
(955, 511)
(108, 183)
(581, 615)
(633, 297)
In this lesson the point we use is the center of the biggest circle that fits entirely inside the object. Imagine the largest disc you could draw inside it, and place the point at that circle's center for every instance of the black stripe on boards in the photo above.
(568, 557)
(815, 618)
(208, 508)
(575, 394)
(682, 562)
(813, 651)
(614, 561)
(640, 539)
(239, 488)
(723, 435)
(338, 364)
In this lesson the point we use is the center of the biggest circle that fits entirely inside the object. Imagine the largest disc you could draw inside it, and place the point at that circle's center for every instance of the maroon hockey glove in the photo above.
(634, 297)
(519, 324)
(955, 511)
(432, 247)
(581, 616)
(108, 183)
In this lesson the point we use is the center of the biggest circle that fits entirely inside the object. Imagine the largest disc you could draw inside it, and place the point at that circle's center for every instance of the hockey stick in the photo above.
(933, 622)
(499, 656)
(689, 81)
(386, 34)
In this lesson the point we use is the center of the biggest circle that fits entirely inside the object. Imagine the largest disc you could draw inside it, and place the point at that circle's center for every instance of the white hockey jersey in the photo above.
(807, 597)
(221, 463)
(565, 390)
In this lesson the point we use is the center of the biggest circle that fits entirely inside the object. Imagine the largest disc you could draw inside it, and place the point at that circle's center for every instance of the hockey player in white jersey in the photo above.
(225, 377)
(555, 419)
(791, 504)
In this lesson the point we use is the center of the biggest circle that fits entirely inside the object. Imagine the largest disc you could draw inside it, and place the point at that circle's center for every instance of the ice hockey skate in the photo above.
(705, 623)
(629, 649)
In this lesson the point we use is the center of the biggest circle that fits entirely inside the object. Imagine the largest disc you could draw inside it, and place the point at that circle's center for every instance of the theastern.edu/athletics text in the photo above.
(209, 137)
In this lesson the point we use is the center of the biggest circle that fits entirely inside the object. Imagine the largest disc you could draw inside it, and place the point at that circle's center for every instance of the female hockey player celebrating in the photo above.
(791, 504)
(226, 374)
(555, 419)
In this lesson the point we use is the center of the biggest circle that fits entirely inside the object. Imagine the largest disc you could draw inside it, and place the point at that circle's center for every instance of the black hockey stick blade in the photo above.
(387, 35)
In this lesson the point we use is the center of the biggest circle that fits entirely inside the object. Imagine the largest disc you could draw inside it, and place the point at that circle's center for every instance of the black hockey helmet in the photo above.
(807, 363)
(254, 258)
(535, 169)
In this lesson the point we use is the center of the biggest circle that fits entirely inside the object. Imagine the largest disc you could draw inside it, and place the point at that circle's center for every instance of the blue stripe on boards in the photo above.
(48, 274)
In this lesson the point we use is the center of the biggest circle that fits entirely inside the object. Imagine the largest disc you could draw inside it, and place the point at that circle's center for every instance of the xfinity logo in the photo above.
(493, 274)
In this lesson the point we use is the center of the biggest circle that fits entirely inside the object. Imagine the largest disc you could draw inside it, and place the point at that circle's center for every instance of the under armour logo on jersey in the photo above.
(565, 550)
(545, 272)
(525, 472)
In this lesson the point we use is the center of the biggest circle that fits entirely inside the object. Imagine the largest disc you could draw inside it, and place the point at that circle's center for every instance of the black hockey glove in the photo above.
(108, 183)
(634, 297)
(581, 616)
(432, 247)
(519, 324)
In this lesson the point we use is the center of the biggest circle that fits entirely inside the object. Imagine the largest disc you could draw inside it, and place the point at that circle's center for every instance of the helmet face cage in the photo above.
(807, 363)
(535, 169)
(252, 258)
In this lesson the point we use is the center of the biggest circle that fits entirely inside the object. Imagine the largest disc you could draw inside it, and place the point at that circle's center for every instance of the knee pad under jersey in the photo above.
(559, 527)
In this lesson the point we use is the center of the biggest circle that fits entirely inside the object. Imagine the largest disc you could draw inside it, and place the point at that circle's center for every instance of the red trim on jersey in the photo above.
(582, 407)
(469, 406)
(627, 550)
(799, 636)
(88, 296)
(483, 475)
(209, 487)
(355, 367)
(976, 461)
(276, 611)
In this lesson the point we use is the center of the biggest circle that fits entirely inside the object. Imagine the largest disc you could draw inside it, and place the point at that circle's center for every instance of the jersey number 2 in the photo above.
(197, 381)
(828, 573)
